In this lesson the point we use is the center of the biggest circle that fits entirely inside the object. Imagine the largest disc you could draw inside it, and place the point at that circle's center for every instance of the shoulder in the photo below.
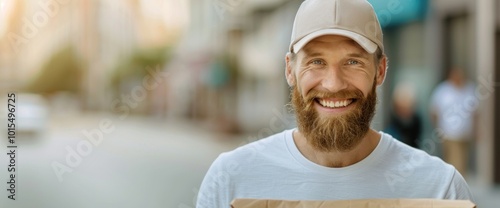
(470, 88)
(217, 187)
(458, 188)
(437, 176)
(443, 86)
(250, 153)
(275, 142)
(440, 90)
(418, 162)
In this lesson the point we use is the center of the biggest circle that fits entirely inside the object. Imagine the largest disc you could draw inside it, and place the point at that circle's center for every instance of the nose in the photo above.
(334, 80)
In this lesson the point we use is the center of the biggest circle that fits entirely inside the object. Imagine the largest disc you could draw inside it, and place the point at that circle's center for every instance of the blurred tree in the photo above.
(62, 72)
(138, 63)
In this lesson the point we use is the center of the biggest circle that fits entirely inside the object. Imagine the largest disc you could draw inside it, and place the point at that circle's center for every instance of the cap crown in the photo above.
(355, 19)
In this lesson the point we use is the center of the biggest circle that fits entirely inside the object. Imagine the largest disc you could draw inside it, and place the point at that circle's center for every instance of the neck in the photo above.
(337, 159)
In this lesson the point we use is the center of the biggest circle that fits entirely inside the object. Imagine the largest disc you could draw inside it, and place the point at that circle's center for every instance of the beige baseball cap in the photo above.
(354, 19)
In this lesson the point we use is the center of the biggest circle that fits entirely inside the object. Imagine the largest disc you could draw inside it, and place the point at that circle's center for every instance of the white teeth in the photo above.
(336, 104)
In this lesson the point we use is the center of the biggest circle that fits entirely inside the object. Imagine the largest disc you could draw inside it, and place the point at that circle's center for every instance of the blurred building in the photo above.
(97, 38)
(249, 39)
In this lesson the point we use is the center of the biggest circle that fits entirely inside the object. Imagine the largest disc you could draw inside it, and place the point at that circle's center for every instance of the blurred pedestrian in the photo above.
(453, 106)
(405, 122)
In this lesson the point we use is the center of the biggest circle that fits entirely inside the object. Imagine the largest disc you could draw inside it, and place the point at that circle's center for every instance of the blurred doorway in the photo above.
(496, 141)
(457, 40)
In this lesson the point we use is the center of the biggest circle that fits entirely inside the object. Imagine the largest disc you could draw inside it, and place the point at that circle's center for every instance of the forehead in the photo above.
(333, 42)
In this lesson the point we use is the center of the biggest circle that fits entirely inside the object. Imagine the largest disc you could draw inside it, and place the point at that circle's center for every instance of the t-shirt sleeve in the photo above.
(214, 190)
(459, 190)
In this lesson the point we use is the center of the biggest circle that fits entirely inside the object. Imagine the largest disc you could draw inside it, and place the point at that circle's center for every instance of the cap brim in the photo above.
(364, 42)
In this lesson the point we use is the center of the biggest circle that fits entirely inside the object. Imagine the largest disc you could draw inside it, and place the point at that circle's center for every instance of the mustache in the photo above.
(346, 94)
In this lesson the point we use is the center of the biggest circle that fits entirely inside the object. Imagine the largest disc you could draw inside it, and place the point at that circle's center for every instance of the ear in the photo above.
(290, 79)
(382, 70)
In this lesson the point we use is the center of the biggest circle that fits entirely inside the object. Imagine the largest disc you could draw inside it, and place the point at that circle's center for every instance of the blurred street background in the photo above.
(125, 103)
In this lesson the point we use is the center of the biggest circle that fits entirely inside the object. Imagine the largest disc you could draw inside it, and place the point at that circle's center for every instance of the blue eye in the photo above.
(317, 62)
(352, 62)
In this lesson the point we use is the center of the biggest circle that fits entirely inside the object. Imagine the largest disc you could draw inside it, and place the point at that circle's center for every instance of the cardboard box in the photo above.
(361, 203)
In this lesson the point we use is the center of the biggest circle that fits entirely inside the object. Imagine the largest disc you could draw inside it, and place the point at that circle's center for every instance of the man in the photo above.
(335, 62)
(453, 113)
(405, 123)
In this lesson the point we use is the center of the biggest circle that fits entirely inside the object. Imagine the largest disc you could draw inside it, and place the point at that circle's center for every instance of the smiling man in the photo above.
(336, 61)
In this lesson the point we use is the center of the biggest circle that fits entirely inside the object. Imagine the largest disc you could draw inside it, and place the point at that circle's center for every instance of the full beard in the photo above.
(334, 133)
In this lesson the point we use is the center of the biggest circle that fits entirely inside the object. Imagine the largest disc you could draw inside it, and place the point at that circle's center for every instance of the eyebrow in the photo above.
(352, 55)
(309, 52)
(313, 54)
(358, 55)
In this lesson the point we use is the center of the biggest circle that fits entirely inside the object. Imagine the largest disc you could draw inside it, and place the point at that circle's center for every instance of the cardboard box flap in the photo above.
(359, 203)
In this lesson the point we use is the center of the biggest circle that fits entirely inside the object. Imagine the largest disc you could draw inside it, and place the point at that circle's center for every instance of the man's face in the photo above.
(334, 82)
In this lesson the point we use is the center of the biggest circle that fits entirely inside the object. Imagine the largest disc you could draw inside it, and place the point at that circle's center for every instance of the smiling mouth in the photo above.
(335, 104)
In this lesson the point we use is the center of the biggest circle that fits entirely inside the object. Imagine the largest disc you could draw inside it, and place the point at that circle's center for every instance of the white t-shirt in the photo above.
(455, 108)
(273, 168)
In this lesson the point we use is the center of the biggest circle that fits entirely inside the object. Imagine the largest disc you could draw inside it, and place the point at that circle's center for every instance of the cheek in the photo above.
(367, 86)
(307, 82)
(363, 81)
